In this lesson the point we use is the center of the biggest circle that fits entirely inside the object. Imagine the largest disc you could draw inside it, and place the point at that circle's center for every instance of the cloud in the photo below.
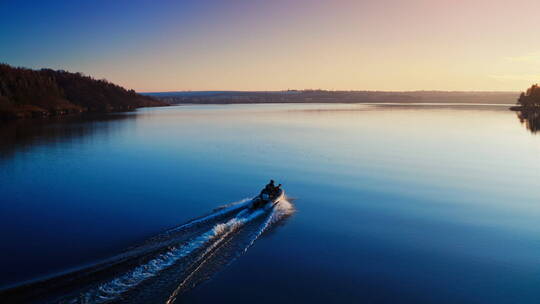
(517, 77)
(529, 58)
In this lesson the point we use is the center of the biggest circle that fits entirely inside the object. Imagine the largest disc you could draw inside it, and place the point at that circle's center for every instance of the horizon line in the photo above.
(327, 90)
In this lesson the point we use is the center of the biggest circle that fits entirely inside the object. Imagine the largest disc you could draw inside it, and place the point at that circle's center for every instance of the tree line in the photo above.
(30, 93)
(528, 108)
(530, 99)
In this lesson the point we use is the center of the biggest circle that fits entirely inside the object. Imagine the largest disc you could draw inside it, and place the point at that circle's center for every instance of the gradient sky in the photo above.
(273, 45)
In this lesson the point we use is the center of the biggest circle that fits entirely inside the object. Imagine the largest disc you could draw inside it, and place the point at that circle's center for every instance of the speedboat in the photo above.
(266, 200)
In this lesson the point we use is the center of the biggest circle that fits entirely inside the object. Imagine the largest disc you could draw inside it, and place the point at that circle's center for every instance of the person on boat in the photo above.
(269, 188)
(269, 192)
(277, 189)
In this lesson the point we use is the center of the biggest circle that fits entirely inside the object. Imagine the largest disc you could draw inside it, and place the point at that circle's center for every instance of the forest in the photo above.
(26, 93)
(530, 99)
(528, 108)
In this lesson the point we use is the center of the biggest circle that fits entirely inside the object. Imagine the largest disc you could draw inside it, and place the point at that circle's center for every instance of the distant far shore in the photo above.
(322, 96)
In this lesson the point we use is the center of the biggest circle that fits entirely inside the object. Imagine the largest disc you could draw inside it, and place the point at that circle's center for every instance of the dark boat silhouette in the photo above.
(265, 200)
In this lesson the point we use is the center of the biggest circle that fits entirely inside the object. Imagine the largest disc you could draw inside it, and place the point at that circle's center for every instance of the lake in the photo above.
(388, 203)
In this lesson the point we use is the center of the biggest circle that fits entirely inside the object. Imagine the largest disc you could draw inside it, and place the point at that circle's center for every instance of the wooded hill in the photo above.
(40, 93)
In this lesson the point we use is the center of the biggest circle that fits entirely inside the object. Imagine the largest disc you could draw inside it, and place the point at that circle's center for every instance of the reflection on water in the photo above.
(22, 135)
(531, 120)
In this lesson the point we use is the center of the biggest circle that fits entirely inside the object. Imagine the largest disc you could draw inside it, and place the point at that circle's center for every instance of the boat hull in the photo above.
(259, 202)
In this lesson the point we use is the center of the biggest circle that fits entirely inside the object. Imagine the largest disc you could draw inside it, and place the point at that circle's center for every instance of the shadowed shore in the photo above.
(26, 93)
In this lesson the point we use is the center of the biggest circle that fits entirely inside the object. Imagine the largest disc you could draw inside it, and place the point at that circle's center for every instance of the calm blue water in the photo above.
(394, 204)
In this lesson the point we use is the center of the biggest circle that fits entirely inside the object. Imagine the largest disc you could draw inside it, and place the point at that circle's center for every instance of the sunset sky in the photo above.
(274, 45)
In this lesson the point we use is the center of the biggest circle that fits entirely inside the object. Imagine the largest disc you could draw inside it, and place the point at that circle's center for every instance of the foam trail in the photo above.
(283, 209)
(111, 290)
(278, 213)
(165, 265)
(166, 238)
(218, 212)
(229, 227)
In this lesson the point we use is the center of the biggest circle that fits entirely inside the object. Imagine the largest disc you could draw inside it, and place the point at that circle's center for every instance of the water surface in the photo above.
(394, 204)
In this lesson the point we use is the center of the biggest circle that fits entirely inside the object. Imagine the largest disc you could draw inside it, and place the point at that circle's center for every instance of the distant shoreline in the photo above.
(512, 105)
(336, 97)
